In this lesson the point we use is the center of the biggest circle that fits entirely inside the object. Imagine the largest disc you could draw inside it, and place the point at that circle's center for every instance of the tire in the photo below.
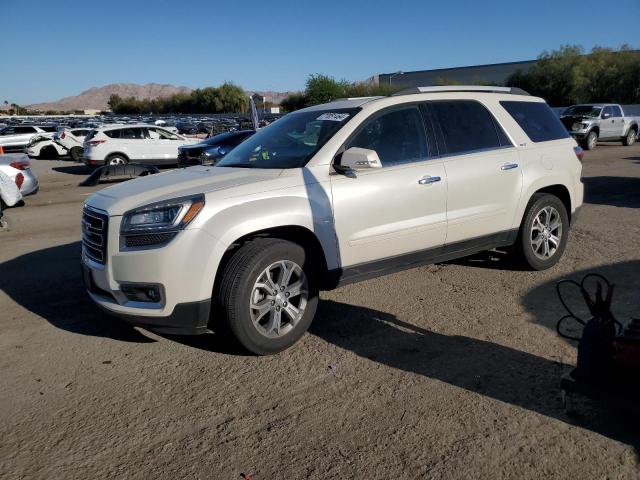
(631, 137)
(591, 140)
(49, 153)
(532, 251)
(76, 154)
(116, 159)
(240, 288)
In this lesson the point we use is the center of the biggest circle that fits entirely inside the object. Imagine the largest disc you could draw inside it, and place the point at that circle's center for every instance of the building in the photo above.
(494, 74)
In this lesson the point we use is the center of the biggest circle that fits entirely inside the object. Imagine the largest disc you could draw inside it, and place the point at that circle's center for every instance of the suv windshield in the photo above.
(289, 142)
(583, 111)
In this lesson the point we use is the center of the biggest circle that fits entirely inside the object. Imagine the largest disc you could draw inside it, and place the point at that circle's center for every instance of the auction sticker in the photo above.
(333, 117)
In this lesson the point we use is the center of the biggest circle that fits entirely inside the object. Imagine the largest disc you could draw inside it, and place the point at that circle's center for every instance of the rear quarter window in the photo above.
(537, 120)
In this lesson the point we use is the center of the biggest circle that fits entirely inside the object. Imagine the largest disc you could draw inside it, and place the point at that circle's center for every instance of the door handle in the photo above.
(428, 180)
(508, 166)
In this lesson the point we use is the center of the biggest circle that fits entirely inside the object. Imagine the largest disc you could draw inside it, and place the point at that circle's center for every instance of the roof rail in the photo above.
(462, 88)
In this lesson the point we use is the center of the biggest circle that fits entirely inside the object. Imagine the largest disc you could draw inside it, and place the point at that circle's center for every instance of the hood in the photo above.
(118, 199)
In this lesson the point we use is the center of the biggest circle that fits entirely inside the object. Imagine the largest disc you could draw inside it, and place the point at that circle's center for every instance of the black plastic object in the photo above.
(111, 173)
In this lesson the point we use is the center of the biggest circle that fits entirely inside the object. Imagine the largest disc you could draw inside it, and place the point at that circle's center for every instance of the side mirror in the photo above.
(360, 159)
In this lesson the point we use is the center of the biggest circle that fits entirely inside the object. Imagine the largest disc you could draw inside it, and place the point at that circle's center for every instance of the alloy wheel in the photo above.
(546, 233)
(278, 298)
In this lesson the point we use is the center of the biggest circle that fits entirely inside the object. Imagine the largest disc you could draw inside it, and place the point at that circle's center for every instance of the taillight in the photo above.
(579, 152)
(93, 143)
(20, 165)
(19, 180)
(62, 135)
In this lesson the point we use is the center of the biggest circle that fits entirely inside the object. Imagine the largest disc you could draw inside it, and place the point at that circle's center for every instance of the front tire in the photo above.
(591, 140)
(631, 137)
(268, 295)
(543, 232)
(76, 154)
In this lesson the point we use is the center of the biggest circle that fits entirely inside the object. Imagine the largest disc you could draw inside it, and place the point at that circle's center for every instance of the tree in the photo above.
(294, 101)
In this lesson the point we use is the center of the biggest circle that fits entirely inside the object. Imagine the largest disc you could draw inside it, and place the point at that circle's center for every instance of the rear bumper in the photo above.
(30, 183)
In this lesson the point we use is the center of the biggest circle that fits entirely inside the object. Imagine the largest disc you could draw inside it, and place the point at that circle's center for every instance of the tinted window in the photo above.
(617, 112)
(132, 133)
(536, 119)
(607, 112)
(113, 133)
(466, 126)
(80, 133)
(25, 130)
(397, 136)
(7, 131)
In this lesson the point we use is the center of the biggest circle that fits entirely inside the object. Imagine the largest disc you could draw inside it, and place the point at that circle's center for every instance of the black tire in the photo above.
(524, 249)
(630, 138)
(590, 141)
(49, 153)
(76, 154)
(232, 317)
(116, 159)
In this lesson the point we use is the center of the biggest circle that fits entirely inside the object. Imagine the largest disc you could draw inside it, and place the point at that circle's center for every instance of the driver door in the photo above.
(399, 208)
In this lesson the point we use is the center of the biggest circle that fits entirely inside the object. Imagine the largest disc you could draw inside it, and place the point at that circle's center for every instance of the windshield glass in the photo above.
(583, 111)
(290, 141)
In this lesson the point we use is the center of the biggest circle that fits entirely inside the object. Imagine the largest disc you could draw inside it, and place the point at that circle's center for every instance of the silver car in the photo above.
(18, 168)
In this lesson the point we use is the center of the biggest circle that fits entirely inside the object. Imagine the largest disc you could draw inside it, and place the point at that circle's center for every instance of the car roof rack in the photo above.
(462, 88)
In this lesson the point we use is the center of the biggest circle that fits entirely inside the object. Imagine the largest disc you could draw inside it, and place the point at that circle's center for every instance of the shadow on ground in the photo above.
(74, 169)
(486, 368)
(633, 159)
(614, 191)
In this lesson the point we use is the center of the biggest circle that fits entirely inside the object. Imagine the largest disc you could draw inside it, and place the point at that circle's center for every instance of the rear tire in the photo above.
(261, 305)
(591, 140)
(631, 137)
(76, 154)
(543, 232)
(49, 153)
(117, 159)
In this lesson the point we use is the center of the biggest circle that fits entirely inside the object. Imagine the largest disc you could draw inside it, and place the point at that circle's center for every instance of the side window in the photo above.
(536, 119)
(132, 133)
(467, 126)
(607, 112)
(397, 136)
(80, 133)
(9, 131)
(616, 111)
(113, 133)
(20, 130)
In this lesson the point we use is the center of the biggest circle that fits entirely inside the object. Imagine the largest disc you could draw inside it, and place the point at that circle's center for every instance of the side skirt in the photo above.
(386, 266)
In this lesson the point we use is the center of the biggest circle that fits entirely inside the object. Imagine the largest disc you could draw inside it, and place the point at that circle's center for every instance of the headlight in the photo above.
(166, 217)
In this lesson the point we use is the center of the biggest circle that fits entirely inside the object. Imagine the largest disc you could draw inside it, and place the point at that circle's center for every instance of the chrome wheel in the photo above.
(117, 161)
(546, 233)
(631, 137)
(278, 298)
(592, 140)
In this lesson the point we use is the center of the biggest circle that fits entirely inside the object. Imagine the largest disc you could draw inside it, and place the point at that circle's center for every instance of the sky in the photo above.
(53, 49)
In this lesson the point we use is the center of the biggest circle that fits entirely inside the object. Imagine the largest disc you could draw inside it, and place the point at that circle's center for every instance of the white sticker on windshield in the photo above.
(334, 117)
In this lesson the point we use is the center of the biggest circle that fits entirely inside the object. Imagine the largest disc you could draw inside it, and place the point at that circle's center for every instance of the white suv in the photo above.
(327, 195)
(141, 143)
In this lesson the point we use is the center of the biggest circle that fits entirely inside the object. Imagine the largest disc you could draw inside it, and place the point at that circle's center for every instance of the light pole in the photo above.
(399, 72)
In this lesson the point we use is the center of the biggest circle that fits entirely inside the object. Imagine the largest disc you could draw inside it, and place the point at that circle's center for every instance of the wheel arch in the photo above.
(113, 154)
(558, 190)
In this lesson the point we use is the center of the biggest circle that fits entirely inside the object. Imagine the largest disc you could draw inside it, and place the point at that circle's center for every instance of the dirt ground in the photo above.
(446, 371)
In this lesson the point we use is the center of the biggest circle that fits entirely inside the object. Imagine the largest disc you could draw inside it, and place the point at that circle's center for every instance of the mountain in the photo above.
(97, 97)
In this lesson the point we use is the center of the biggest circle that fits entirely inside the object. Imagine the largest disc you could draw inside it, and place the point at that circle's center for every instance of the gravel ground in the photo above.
(445, 371)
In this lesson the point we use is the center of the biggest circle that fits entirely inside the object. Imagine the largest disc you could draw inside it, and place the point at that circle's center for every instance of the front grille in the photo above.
(95, 226)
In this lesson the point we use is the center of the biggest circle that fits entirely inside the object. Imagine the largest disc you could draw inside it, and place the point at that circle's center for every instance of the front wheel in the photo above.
(268, 295)
(630, 139)
(543, 232)
(76, 154)
(591, 141)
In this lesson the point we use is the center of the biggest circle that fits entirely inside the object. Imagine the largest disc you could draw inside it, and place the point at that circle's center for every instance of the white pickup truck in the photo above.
(592, 122)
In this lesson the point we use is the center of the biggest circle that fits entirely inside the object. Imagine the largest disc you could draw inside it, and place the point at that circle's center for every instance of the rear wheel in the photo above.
(76, 154)
(543, 233)
(117, 159)
(49, 153)
(631, 137)
(591, 141)
(267, 296)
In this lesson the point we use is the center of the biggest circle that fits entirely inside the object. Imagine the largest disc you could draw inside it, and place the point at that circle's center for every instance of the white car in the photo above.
(328, 195)
(72, 141)
(139, 143)
(17, 167)
(15, 138)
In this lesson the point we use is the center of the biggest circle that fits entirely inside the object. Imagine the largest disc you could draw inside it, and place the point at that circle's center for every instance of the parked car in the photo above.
(17, 167)
(15, 138)
(211, 150)
(118, 145)
(328, 195)
(72, 140)
(592, 122)
(42, 145)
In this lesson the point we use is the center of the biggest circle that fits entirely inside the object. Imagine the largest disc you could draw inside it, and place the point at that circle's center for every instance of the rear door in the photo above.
(399, 208)
(135, 144)
(484, 179)
(163, 145)
(618, 121)
(607, 123)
